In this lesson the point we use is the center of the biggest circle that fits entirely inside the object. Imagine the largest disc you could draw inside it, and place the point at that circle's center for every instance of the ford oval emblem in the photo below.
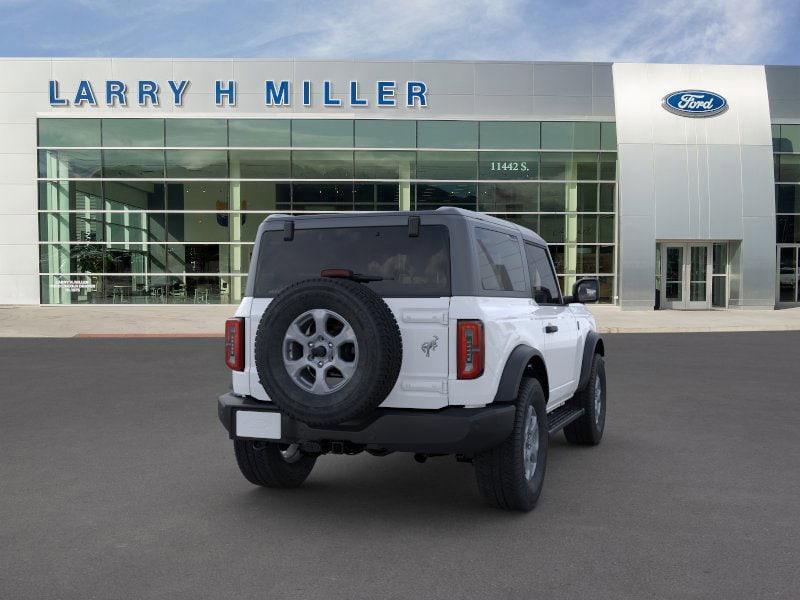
(695, 103)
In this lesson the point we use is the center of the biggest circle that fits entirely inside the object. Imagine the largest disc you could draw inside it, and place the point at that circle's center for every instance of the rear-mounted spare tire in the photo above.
(328, 351)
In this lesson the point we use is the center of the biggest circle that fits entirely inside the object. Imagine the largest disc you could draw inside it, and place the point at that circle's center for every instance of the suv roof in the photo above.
(451, 211)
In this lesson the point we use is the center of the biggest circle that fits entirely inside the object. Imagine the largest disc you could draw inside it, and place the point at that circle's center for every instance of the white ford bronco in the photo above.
(432, 332)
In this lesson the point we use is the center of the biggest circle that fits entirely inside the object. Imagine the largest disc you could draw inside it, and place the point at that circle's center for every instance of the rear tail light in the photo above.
(470, 349)
(234, 344)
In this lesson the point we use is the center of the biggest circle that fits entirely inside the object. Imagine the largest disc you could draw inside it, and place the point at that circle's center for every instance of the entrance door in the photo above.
(686, 275)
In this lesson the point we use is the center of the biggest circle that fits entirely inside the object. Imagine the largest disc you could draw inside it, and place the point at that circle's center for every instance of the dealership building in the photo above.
(143, 181)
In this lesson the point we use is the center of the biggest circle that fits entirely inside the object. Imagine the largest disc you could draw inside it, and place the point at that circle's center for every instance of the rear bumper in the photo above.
(453, 430)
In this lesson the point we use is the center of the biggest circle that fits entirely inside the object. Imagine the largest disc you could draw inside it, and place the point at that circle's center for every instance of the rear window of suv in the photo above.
(410, 266)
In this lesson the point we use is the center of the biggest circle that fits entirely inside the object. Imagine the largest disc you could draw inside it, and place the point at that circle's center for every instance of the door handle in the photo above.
(550, 328)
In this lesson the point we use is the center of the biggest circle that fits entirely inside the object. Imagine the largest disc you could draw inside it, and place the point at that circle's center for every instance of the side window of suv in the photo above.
(543, 280)
(500, 261)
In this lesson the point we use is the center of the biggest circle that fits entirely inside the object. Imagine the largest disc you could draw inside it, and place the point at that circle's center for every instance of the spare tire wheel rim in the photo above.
(320, 351)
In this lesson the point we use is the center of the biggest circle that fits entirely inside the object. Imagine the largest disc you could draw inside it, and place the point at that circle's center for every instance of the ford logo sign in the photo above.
(695, 103)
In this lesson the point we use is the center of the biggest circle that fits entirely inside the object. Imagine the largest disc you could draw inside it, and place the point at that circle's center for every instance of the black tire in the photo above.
(379, 355)
(501, 470)
(588, 429)
(263, 464)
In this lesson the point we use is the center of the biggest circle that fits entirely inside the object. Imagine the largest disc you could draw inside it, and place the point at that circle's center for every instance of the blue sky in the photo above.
(711, 31)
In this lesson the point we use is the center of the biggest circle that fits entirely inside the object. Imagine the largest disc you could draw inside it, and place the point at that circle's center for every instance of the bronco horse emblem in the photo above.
(432, 345)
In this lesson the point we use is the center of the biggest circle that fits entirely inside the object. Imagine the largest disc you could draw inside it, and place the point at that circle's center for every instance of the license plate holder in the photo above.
(258, 424)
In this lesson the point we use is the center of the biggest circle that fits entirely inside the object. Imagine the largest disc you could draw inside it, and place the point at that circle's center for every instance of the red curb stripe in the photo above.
(149, 335)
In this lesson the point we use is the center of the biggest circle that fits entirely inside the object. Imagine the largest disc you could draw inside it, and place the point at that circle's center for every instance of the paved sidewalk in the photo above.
(207, 320)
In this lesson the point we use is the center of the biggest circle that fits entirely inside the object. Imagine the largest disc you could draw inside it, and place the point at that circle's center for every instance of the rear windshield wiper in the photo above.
(348, 274)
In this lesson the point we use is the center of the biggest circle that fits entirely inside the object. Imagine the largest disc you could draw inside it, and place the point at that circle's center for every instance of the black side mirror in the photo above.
(585, 291)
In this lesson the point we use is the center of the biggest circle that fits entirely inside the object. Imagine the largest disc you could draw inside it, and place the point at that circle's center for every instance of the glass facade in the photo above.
(786, 148)
(166, 210)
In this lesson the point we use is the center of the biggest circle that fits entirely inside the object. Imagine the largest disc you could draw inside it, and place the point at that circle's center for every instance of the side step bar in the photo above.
(562, 416)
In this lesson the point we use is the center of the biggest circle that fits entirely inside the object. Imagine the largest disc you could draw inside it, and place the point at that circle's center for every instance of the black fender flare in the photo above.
(593, 345)
(517, 362)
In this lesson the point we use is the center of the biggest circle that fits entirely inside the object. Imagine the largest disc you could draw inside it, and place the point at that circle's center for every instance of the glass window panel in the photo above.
(134, 226)
(322, 133)
(556, 165)
(787, 262)
(148, 164)
(608, 136)
(269, 133)
(509, 165)
(606, 197)
(606, 291)
(557, 254)
(788, 229)
(70, 195)
(529, 221)
(382, 133)
(322, 196)
(720, 263)
(379, 196)
(322, 164)
(198, 195)
(500, 263)
(197, 132)
(545, 287)
(605, 232)
(447, 165)
(447, 134)
(509, 134)
(262, 195)
(587, 136)
(71, 258)
(557, 135)
(553, 228)
(790, 138)
(605, 259)
(197, 163)
(198, 258)
(198, 289)
(77, 227)
(260, 164)
(63, 164)
(209, 258)
(585, 165)
(133, 132)
(385, 165)
(110, 289)
(249, 226)
(608, 166)
(587, 259)
(508, 197)
(587, 197)
(432, 196)
(134, 258)
(718, 292)
(132, 195)
(789, 170)
(587, 229)
(65, 133)
(776, 138)
(553, 197)
(787, 198)
(410, 266)
(199, 227)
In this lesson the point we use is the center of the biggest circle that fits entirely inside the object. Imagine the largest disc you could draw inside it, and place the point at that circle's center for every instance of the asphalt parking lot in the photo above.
(118, 482)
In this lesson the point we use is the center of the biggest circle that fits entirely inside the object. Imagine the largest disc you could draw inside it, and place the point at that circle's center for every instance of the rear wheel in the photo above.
(273, 465)
(511, 475)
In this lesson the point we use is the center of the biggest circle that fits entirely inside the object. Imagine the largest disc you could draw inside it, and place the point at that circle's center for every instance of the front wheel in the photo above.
(588, 429)
(511, 475)
(273, 465)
